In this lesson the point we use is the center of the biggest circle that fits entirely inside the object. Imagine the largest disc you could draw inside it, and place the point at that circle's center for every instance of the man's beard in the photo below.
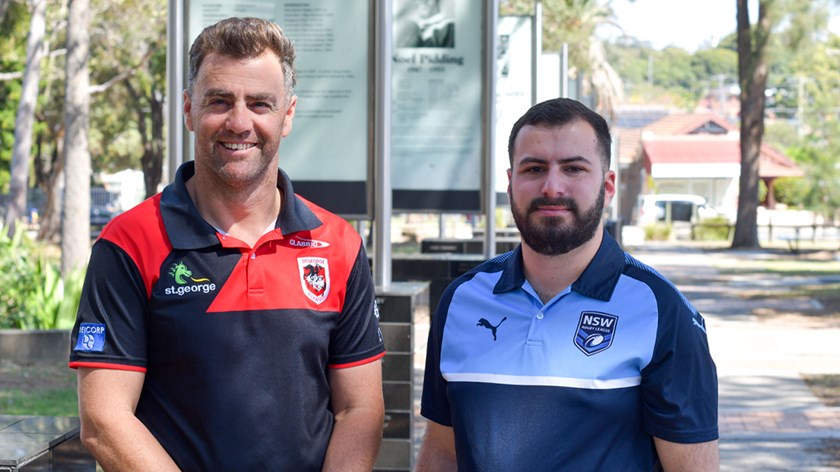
(239, 173)
(550, 236)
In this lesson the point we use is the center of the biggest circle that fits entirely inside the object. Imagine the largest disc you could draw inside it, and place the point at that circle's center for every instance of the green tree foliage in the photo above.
(819, 190)
(13, 29)
(811, 102)
(672, 76)
(127, 44)
(34, 296)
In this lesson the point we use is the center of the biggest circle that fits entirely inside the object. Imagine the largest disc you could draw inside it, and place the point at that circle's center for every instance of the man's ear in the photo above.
(187, 109)
(290, 115)
(609, 187)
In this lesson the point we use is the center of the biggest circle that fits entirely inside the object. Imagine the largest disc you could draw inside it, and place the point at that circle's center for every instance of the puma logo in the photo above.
(486, 324)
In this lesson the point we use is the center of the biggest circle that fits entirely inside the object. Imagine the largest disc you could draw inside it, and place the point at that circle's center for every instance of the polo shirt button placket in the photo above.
(540, 315)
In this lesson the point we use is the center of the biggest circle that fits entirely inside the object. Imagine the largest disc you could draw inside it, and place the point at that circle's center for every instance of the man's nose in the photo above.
(554, 183)
(239, 119)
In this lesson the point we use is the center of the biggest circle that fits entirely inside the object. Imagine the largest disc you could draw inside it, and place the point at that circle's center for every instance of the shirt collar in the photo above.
(188, 230)
(597, 281)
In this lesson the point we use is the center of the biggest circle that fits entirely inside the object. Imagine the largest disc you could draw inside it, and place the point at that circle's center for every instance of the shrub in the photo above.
(658, 232)
(712, 229)
(34, 296)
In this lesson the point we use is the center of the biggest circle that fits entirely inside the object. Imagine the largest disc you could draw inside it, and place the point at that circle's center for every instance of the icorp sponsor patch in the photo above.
(91, 338)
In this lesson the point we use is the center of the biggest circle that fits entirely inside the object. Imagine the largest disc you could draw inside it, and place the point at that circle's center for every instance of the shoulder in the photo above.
(483, 278)
(141, 223)
(674, 310)
(331, 224)
(140, 234)
(660, 286)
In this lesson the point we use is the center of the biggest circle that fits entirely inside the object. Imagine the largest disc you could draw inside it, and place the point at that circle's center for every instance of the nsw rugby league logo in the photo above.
(314, 278)
(595, 332)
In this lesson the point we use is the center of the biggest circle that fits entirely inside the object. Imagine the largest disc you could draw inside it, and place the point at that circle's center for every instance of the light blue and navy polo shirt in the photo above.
(583, 382)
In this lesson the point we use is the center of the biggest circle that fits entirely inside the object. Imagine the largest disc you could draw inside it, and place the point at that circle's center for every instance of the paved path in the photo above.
(769, 419)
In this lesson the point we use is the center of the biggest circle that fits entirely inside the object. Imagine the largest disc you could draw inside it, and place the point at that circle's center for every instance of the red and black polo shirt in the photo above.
(234, 341)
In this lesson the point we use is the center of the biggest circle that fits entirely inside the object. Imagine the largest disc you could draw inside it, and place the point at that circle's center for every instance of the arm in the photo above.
(110, 431)
(676, 457)
(356, 398)
(437, 453)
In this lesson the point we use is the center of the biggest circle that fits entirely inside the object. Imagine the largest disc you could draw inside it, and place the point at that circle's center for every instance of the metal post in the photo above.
(174, 83)
(616, 166)
(536, 49)
(564, 71)
(382, 148)
(491, 19)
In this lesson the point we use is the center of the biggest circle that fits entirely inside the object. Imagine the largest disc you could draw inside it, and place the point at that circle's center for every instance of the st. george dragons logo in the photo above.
(314, 278)
(185, 281)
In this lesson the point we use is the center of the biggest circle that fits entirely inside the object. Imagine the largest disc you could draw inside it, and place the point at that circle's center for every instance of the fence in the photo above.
(792, 234)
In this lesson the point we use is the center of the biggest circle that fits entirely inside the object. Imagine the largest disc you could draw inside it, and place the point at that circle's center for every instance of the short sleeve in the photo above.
(110, 328)
(435, 403)
(357, 339)
(679, 386)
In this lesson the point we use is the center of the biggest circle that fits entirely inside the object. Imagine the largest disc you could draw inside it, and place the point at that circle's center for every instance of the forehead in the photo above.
(263, 72)
(576, 138)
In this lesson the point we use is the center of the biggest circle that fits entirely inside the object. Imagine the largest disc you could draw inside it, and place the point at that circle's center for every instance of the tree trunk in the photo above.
(53, 186)
(153, 144)
(153, 169)
(752, 75)
(75, 233)
(24, 120)
(4, 7)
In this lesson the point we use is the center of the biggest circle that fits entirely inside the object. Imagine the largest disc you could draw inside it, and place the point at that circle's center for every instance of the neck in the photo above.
(242, 214)
(550, 275)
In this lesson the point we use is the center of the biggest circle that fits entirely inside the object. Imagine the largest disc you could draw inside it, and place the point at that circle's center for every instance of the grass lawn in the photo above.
(38, 390)
(825, 387)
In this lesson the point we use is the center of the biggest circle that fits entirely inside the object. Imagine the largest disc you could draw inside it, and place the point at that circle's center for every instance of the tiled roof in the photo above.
(705, 149)
(685, 123)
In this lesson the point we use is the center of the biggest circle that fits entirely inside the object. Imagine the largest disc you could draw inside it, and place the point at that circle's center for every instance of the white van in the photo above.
(683, 207)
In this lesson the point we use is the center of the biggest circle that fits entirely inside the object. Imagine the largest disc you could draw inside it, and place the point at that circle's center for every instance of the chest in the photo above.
(572, 339)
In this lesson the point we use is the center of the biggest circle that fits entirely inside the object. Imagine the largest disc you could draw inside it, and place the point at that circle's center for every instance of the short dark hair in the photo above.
(561, 111)
(242, 38)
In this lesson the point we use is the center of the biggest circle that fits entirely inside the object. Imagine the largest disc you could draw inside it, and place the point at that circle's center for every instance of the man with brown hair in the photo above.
(227, 323)
(566, 353)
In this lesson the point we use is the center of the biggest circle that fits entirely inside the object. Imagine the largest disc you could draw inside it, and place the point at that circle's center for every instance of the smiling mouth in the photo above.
(238, 147)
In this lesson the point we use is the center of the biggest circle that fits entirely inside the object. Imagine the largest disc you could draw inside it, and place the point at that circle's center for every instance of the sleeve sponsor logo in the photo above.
(314, 278)
(595, 332)
(376, 315)
(186, 283)
(91, 338)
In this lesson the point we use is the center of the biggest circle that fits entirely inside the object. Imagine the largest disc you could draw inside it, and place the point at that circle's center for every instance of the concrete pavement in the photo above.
(769, 418)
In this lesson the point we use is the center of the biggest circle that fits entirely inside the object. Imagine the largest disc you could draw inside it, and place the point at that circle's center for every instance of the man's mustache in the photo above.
(559, 201)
